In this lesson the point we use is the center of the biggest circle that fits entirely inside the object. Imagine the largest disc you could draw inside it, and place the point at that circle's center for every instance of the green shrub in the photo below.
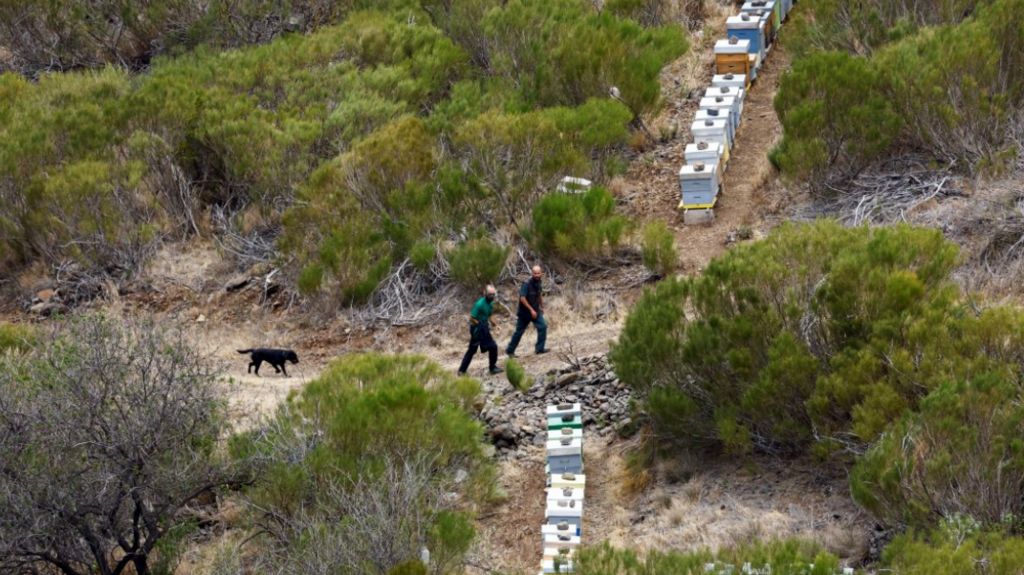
(577, 226)
(659, 249)
(955, 548)
(422, 255)
(835, 116)
(380, 440)
(817, 333)
(784, 557)
(16, 337)
(517, 375)
(477, 263)
(959, 454)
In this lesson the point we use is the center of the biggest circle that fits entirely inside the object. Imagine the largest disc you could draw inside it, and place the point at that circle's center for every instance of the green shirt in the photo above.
(482, 310)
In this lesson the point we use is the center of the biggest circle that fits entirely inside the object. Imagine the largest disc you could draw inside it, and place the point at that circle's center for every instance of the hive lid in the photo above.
(742, 21)
(732, 46)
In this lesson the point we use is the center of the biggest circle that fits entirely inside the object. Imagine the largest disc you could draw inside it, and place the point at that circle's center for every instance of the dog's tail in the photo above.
(245, 351)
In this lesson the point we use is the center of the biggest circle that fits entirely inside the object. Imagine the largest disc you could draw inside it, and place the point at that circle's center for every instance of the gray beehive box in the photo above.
(707, 152)
(699, 186)
(728, 104)
(565, 455)
(729, 81)
(729, 91)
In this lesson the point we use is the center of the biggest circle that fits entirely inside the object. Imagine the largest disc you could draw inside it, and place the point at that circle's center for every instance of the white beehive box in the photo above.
(570, 432)
(561, 540)
(564, 528)
(712, 131)
(729, 81)
(729, 47)
(728, 104)
(707, 152)
(557, 511)
(729, 91)
(563, 480)
(565, 446)
(564, 552)
(564, 494)
(571, 185)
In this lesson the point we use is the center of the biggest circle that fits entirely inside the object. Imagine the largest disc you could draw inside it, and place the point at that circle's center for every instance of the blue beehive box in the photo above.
(565, 455)
(748, 27)
(699, 185)
(561, 511)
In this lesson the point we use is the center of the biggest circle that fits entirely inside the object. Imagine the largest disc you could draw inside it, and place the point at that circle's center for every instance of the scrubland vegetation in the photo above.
(870, 80)
(361, 145)
(855, 346)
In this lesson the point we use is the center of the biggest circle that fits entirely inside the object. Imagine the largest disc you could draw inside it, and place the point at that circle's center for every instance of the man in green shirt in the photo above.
(480, 332)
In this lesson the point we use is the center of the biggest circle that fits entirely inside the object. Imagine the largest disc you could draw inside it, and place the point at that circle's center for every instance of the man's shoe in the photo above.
(460, 373)
(510, 353)
(496, 370)
(540, 351)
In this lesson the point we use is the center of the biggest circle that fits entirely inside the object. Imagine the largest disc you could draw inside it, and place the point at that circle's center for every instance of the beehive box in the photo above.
(549, 566)
(563, 421)
(699, 186)
(769, 27)
(730, 81)
(773, 7)
(563, 480)
(731, 56)
(712, 130)
(707, 152)
(746, 26)
(564, 494)
(563, 528)
(727, 107)
(729, 91)
(787, 7)
(571, 432)
(565, 455)
(570, 512)
(565, 539)
(564, 552)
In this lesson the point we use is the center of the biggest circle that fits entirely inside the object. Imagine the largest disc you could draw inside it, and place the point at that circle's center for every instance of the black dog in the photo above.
(275, 357)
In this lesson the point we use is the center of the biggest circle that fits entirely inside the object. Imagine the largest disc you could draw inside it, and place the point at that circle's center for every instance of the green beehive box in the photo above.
(561, 422)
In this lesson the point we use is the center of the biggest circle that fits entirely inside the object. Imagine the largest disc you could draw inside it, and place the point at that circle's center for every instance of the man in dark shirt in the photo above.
(531, 310)
(480, 332)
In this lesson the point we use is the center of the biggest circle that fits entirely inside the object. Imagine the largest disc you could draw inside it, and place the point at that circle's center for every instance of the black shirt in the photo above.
(531, 290)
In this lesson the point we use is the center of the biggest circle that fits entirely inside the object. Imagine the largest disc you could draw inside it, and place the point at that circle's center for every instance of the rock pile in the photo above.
(515, 419)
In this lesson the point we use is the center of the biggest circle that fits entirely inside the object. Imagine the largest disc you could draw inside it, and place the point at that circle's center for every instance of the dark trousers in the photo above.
(480, 338)
(522, 322)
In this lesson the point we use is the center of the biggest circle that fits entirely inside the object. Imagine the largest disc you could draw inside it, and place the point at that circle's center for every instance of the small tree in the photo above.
(477, 262)
(107, 432)
(659, 248)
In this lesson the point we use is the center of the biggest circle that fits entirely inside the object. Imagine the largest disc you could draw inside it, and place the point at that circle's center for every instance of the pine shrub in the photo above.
(577, 226)
(477, 263)
(659, 249)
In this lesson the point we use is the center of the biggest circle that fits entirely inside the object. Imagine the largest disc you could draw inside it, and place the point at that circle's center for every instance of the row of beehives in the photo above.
(738, 58)
(563, 514)
(766, 569)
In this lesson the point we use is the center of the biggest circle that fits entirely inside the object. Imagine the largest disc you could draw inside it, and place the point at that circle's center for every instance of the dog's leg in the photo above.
(284, 369)
(259, 362)
(251, 363)
(276, 369)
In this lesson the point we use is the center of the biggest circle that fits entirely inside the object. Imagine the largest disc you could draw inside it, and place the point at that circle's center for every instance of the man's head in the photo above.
(490, 292)
(536, 273)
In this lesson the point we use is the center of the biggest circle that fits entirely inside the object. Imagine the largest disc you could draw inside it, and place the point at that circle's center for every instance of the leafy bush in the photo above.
(516, 375)
(818, 333)
(784, 557)
(576, 226)
(381, 441)
(477, 263)
(836, 118)
(943, 77)
(959, 454)
(956, 548)
(659, 249)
